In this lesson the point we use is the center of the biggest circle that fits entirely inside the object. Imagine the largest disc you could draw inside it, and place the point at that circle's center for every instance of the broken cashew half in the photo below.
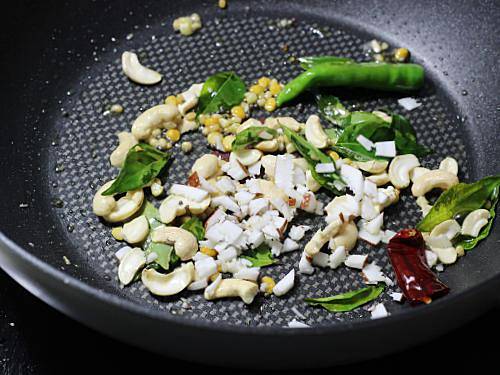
(138, 73)
(449, 164)
(268, 146)
(113, 210)
(432, 180)
(125, 142)
(163, 116)
(372, 166)
(400, 168)
(474, 222)
(206, 166)
(244, 289)
(137, 230)
(184, 242)
(247, 156)
(321, 237)
(314, 132)
(347, 237)
(168, 284)
(175, 205)
(132, 262)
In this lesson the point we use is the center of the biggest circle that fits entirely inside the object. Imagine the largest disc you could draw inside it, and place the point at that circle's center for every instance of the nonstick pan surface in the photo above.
(56, 141)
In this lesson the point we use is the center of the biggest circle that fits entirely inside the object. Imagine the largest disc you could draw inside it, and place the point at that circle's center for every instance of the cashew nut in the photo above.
(206, 166)
(244, 289)
(185, 243)
(474, 222)
(289, 122)
(372, 166)
(392, 195)
(446, 255)
(345, 205)
(379, 179)
(268, 146)
(137, 230)
(417, 172)
(114, 211)
(311, 182)
(269, 164)
(190, 98)
(187, 125)
(137, 72)
(251, 122)
(163, 116)
(175, 205)
(315, 133)
(442, 247)
(247, 157)
(347, 237)
(131, 263)
(448, 228)
(449, 164)
(424, 205)
(125, 142)
(321, 237)
(431, 180)
(168, 284)
(400, 168)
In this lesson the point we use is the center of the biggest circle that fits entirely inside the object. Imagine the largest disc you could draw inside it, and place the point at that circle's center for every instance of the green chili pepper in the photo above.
(379, 76)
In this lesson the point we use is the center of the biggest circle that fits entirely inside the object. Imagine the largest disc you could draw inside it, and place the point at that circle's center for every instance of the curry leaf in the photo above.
(332, 110)
(151, 213)
(468, 242)
(251, 135)
(142, 164)
(165, 256)
(195, 226)
(260, 257)
(309, 61)
(221, 91)
(347, 301)
(459, 199)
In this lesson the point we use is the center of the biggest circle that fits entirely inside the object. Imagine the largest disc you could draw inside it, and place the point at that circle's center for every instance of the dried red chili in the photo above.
(416, 280)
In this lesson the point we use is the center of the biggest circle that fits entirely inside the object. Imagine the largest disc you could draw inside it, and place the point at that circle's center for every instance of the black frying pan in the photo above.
(60, 69)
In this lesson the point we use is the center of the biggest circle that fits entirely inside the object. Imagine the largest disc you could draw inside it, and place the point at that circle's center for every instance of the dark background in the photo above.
(36, 339)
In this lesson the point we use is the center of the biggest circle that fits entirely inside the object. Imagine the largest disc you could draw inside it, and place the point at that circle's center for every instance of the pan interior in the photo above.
(252, 46)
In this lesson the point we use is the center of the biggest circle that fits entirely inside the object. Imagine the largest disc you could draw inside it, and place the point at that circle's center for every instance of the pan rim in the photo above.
(131, 307)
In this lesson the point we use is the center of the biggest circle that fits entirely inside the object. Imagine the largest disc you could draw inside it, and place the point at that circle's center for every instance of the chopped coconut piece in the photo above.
(440, 267)
(431, 258)
(189, 192)
(305, 265)
(257, 206)
(337, 257)
(122, 252)
(270, 231)
(225, 185)
(225, 202)
(253, 186)
(235, 170)
(254, 169)
(297, 232)
(205, 185)
(198, 284)
(290, 245)
(372, 239)
(227, 254)
(294, 323)
(409, 103)
(285, 284)
(256, 238)
(321, 259)
(368, 210)
(365, 142)
(386, 149)
(243, 197)
(374, 226)
(387, 235)
(251, 274)
(283, 174)
(231, 231)
(370, 189)
(356, 261)
(354, 179)
(379, 311)
(215, 218)
(373, 274)
(398, 297)
(205, 267)
(325, 167)
(210, 290)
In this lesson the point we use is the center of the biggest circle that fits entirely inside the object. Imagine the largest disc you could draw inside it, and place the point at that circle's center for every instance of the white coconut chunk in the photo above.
(379, 311)
(294, 323)
(409, 103)
(210, 290)
(431, 258)
(372, 239)
(370, 189)
(321, 260)
(354, 179)
(256, 238)
(244, 211)
(189, 192)
(309, 203)
(151, 257)
(440, 242)
(387, 235)
(243, 197)
(325, 167)
(215, 218)
(346, 205)
(251, 274)
(253, 186)
(297, 232)
(440, 267)
(205, 185)
(221, 246)
(373, 274)
(279, 222)
(199, 255)
(365, 142)
(285, 284)
(337, 257)
(236, 170)
(233, 266)
(290, 245)
(356, 261)
(254, 169)
(398, 297)
(374, 226)
(225, 185)
(227, 254)
(385, 149)
(368, 210)
(231, 231)
(257, 206)
(205, 267)
(271, 232)
(122, 252)
(225, 202)
(305, 266)
(299, 177)
(283, 174)
(198, 285)
(275, 246)
(283, 208)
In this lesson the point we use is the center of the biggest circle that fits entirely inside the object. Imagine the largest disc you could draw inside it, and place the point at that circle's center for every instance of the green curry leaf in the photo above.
(195, 226)
(165, 256)
(250, 136)
(332, 110)
(142, 164)
(347, 301)
(260, 257)
(459, 199)
(221, 91)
